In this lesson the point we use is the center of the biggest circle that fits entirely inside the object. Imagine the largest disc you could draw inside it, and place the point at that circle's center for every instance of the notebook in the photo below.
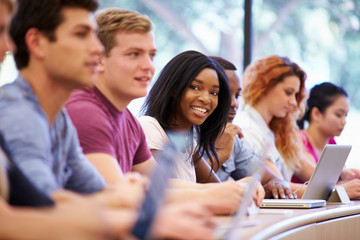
(321, 183)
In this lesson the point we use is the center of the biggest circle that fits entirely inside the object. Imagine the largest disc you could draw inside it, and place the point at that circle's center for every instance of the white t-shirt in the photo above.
(261, 140)
(156, 138)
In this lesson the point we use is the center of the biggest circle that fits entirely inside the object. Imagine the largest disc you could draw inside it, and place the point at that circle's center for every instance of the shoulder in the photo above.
(304, 138)
(148, 122)
(132, 123)
(253, 125)
(154, 133)
(85, 109)
(250, 118)
(21, 115)
(239, 144)
(130, 117)
(151, 127)
(83, 101)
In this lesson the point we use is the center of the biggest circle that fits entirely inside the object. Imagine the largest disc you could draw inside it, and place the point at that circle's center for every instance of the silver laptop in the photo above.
(292, 203)
(321, 183)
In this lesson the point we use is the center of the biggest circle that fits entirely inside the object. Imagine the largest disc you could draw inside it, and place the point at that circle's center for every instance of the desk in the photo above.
(330, 222)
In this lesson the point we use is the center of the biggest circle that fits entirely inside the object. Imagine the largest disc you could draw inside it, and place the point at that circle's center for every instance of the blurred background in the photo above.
(322, 36)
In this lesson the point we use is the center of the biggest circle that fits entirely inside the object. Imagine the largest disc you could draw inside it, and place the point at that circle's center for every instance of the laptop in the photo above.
(155, 193)
(321, 183)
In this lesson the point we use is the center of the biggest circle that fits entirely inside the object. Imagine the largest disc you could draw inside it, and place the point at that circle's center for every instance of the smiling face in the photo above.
(129, 68)
(199, 100)
(333, 120)
(281, 99)
(73, 57)
(234, 82)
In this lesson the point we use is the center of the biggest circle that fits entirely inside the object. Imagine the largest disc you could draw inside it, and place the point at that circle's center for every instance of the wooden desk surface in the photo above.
(265, 226)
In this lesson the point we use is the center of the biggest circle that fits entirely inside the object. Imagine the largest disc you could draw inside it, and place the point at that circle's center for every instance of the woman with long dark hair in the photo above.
(326, 111)
(191, 95)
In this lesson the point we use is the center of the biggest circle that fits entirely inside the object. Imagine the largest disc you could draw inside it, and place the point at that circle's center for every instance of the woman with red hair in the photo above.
(273, 93)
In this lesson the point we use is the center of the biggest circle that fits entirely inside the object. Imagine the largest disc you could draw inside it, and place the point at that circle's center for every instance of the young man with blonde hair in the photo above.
(109, 134)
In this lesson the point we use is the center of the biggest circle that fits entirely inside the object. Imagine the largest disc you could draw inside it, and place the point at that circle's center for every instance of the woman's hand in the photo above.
(350, 173)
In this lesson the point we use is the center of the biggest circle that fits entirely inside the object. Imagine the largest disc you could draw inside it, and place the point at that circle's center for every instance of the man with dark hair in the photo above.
(57, 52)
(45, 16)
(236, 160)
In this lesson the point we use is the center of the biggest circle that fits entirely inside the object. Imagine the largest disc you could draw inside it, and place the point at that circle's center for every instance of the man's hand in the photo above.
(172, 221)
(225, 143)
(259, 194)
(128, 193)
(229, 191)
(277, 188)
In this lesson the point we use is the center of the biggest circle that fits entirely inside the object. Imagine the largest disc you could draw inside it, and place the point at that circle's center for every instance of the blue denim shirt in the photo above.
(49, 156)
(242, 162)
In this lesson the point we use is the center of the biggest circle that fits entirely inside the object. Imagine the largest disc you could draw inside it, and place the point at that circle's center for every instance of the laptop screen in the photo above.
(327, 171)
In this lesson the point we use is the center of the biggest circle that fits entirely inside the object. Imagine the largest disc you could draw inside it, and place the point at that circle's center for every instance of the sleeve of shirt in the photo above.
(143, 152)
(27, 139)
(154, 133)
(84, 177)
(253, 140)
(92, 126)
(245, 160)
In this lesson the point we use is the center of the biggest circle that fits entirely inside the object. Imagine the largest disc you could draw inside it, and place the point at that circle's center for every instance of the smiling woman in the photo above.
(191, 95)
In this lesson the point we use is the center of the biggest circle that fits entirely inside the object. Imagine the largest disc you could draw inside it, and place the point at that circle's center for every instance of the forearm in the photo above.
(269, 175)
(204, 173)
(223, 157)
(305, 169)
(114, 197)
(176, 183)
(120, 222)
(182, 195)
(33, 225)
(297, 188)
